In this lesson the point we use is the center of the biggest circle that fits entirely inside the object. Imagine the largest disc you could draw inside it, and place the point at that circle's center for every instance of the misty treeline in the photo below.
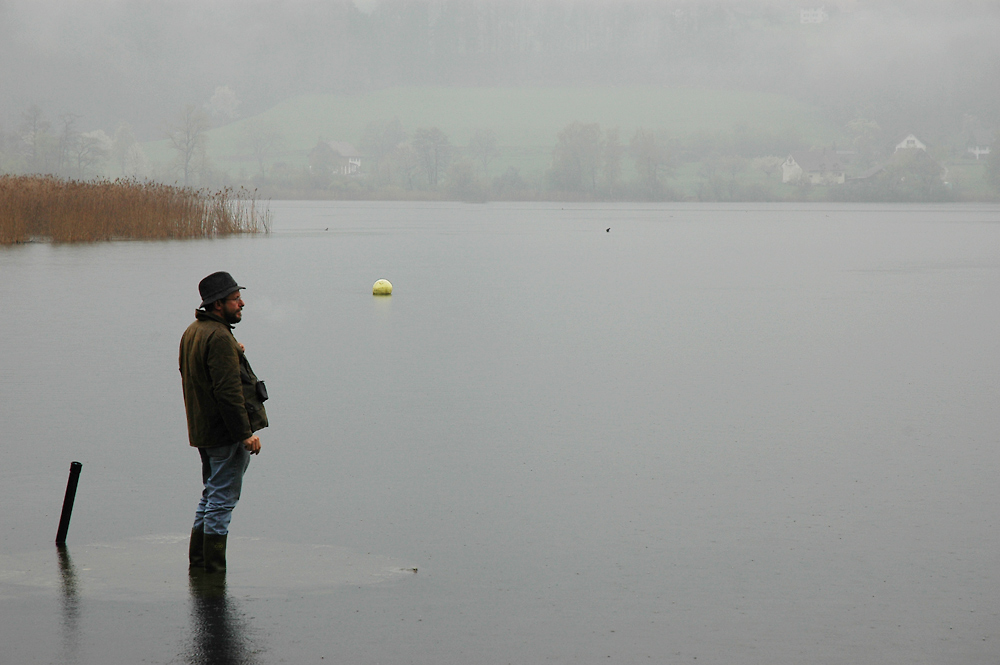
(588, 161)
(58, 146)
(143, 71)
(591, 162)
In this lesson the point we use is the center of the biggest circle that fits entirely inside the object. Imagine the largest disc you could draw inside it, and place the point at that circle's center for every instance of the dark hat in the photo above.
(217, 286)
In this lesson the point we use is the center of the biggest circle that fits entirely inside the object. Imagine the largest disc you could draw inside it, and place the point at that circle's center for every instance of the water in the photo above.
(722, 433)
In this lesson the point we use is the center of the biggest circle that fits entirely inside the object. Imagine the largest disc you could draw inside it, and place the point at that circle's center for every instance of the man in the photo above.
(225, 406)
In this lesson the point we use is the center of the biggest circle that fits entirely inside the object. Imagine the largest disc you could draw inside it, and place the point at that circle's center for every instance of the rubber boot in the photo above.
(196, 549)
(215, 553)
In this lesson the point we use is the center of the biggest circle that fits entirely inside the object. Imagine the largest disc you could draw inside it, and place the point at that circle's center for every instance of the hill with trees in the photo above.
(246, 89)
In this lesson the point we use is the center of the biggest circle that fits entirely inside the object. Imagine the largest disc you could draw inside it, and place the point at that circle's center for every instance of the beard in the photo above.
(233, 318)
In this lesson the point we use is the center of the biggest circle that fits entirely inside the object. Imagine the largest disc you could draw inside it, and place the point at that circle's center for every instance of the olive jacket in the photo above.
(221, 396)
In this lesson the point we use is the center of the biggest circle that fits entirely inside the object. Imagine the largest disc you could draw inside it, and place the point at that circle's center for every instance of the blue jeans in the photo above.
(222, 469)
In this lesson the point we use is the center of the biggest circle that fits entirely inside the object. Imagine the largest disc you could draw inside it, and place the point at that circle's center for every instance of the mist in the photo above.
(925, 67)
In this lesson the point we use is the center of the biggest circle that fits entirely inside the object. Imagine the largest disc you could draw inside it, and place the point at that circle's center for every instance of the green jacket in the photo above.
(220, 388)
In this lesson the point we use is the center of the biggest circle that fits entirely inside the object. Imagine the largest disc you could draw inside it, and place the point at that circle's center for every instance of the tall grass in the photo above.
(35, 207)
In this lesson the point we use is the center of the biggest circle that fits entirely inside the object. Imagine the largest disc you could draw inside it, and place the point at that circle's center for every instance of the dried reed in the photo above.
(45, 207)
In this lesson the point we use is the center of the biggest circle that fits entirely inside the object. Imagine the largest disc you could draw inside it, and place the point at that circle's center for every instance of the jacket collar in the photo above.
(202, 315)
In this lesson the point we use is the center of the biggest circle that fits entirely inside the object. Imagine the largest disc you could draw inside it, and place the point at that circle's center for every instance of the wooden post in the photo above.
(67, 509)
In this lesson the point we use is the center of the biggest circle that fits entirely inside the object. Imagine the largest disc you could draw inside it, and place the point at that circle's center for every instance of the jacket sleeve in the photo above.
(224, 372)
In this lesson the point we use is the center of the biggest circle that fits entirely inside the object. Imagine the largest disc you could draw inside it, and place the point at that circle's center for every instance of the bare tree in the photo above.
(90, 150)
(611, 167)
(35, 138)
(69, 138)
(651, 159)
(136, 164)
(188, 137)
(483, 146)
(434, 149)
(264, 140)
(122, 144)
(407, 163)
(576, 159)
(379, 143)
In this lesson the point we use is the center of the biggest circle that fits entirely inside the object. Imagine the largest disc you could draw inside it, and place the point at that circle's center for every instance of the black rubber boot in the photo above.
(196, 549)
(215, 553)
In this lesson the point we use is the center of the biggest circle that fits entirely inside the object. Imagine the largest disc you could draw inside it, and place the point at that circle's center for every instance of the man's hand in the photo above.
(252, 444)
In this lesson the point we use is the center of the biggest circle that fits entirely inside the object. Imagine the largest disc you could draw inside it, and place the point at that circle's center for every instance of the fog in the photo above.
(138, 61)
(915, 66)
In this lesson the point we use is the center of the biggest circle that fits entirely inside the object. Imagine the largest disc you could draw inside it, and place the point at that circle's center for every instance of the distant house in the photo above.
(819, 167)
(813, 15)
(335, 157)
(910, 142)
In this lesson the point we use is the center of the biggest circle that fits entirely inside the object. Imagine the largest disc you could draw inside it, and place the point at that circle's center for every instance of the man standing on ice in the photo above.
(224, 401)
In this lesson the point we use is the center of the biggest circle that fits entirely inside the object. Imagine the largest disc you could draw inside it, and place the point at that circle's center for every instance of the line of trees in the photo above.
(596, 163)
(38, 144)
(587, 159)
(586, 162)
(41, 145)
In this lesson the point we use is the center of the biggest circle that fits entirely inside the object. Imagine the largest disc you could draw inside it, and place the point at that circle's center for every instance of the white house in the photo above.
(350, 157)
(336, 157)
(910, 142)
(820, 167)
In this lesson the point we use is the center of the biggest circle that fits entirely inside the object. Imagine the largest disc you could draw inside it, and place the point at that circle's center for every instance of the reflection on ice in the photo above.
(70, 606)
(156, 566)
(220, 633)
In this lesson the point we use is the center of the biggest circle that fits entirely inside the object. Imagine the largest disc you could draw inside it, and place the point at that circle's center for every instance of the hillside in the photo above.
(525, 120)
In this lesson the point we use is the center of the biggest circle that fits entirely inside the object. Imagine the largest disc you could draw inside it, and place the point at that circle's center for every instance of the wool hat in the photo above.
(217, 286)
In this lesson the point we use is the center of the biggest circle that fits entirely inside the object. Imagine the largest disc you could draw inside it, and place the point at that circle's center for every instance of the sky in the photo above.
(915, 63)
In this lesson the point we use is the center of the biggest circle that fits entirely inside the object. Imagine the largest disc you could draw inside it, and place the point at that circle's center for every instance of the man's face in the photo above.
(232, 308)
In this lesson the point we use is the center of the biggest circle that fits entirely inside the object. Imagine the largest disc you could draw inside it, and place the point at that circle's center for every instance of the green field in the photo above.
(526, 120)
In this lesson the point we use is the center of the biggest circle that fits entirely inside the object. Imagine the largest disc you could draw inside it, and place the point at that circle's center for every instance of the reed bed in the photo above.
(48, 208)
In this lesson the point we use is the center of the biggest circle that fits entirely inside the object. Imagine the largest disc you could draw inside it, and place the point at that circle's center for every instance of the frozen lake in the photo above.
(598, 434)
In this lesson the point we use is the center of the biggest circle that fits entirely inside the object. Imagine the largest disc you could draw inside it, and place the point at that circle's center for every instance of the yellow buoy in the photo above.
(382, 288)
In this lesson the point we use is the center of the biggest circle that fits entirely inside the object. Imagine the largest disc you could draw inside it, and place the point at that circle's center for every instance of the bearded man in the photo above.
(224, 402)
